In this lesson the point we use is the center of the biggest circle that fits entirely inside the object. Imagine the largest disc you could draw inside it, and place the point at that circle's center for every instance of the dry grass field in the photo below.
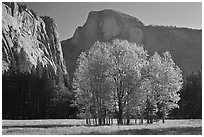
(78, 127)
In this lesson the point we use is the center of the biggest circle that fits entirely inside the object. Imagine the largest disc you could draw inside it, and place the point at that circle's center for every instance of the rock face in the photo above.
(30, 41)
(184, 44)
(101, 26)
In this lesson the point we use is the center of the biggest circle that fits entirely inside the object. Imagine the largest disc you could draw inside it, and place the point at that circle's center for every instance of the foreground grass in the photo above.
(57, 127)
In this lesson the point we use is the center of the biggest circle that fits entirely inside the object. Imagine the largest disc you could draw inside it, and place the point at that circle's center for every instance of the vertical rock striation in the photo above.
(184, 44)
(102, 25)
(30, 41)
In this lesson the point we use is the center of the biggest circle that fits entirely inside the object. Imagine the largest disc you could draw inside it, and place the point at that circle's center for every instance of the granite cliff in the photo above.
(184, 44)
(30, 41)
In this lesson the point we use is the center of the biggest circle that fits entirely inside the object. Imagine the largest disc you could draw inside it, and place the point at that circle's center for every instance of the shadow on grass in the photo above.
(159, 131)
(52, 126)
(37, 126)
(49, 126)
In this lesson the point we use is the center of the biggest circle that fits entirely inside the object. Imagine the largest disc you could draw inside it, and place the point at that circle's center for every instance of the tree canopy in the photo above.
(120, 78)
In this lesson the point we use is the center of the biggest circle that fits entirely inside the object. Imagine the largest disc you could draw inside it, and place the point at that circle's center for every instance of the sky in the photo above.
(70, 15)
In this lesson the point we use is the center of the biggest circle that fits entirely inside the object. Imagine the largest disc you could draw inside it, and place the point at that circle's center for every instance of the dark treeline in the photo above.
(190, 105)
(30, 96)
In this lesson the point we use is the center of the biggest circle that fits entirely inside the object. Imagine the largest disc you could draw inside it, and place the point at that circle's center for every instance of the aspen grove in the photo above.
(119, 79)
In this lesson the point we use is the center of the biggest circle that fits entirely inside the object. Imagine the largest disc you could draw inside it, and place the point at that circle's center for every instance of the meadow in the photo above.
(78, 127)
